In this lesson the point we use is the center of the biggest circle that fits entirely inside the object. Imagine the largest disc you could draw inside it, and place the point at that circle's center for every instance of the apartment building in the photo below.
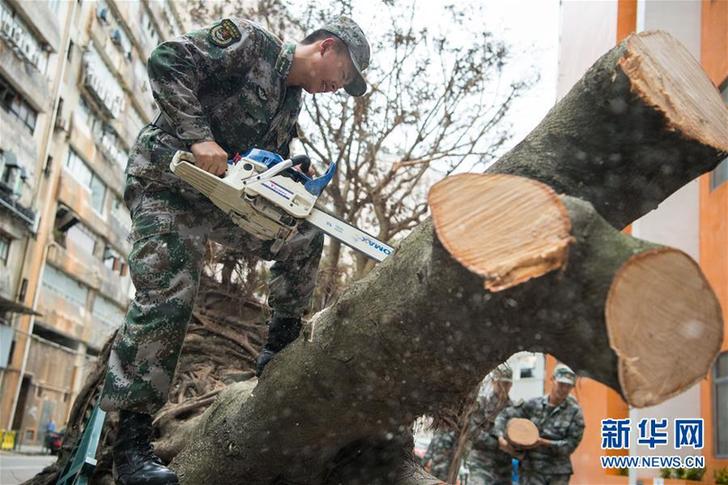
(73, 95)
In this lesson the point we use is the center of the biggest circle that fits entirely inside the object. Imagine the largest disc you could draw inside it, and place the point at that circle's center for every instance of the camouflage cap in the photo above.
(352, 35)
(502, 373)
(563, 373)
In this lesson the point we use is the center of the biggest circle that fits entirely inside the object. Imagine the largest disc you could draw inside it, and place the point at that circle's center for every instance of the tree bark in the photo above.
(419, 332)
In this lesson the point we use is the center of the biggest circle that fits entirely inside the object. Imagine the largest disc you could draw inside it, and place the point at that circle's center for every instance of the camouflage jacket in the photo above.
(484, 442)
(225, 82)
(440, 451)
(562, 424)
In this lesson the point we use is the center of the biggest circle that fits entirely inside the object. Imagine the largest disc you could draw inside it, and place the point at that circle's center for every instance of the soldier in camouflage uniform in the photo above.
(440, 452)
(221, 90)
(560, 424)
(488, 464)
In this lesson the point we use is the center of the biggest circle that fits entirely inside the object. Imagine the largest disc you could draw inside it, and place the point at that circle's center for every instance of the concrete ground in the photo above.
(17, 467)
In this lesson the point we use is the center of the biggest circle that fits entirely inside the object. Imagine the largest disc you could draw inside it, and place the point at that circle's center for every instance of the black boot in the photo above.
(281, 332)
(134, 460)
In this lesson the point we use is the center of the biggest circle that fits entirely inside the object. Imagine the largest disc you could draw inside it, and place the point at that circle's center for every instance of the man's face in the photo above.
(560, 391)
(331, 69)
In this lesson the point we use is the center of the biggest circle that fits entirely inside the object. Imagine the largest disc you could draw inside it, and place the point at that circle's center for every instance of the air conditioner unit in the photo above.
(103, 14)
(17, 36)
(6, 27)
(116, 37)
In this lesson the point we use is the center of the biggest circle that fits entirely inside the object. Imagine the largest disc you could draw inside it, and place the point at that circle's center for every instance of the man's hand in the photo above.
(303, 162)
(210, 157)
(506, 447)
(543, 442)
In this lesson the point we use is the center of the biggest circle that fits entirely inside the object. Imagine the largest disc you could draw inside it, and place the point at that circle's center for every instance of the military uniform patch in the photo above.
(225, 33)
(261, 93)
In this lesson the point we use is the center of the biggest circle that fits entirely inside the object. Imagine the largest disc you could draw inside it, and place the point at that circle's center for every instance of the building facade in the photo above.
(74, 94)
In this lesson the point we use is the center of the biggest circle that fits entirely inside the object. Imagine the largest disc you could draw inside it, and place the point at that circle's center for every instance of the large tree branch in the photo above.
(420, 330)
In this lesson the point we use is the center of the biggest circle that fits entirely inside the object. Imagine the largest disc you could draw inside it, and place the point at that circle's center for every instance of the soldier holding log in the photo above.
(560, 424)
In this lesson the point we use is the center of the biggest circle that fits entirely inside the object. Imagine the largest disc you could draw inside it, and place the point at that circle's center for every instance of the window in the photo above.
(15, 104)
(107, 311)
(720, 405)
(720, 174)
(83, 174)
(78, 168)
(81, 237)
(65, 286)
(4, 249)
(120, 213)
(19, 37)
(98, 194)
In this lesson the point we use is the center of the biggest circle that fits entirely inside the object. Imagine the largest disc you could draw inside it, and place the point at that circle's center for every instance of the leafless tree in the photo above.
(435, 105)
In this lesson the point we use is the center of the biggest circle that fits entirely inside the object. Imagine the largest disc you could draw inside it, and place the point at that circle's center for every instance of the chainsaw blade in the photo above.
(351, 236)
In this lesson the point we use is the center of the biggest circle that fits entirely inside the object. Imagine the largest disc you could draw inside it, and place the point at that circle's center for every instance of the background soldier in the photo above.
(488, 464)
(560, 424)
(440, 452)
(221, 90)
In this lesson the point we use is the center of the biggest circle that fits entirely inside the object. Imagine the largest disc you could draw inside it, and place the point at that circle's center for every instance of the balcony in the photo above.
(81, 138)
(9, 203)
(27, 79)
(77, 197)
(72, 260)
(118, 234)
(62, 315)
(45, 21)
(109, 148)
(107, 43)
(100, 331)
(111, 102)
(98, 149)
(115, 287)
(91, 272)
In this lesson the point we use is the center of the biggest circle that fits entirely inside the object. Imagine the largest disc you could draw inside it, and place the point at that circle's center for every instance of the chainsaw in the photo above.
(263, 194)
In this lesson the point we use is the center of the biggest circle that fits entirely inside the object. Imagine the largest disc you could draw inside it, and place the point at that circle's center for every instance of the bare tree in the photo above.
(435, 105)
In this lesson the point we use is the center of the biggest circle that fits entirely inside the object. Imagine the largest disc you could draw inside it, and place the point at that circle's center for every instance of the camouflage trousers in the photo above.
(170, 229)
(487, 471)
(535, 478)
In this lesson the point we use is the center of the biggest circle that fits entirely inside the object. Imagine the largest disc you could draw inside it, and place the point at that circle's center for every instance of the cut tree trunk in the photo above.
(521, 433)
(642, 122)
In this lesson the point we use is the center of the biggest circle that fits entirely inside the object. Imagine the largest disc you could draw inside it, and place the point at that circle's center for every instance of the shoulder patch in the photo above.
(225, 33)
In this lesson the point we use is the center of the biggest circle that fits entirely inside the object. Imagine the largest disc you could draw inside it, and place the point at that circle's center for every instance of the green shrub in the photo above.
(721, 476)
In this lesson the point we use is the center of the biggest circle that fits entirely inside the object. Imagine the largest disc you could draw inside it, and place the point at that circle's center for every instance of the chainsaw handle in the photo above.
(303, 161)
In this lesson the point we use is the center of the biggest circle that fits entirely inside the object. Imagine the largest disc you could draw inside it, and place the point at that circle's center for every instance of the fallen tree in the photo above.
(528, 256)
(420, 331)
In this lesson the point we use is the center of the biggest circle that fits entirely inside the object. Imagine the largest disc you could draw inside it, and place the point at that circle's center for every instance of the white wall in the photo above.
(527, 387)
(588, 29)
(676, 221)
